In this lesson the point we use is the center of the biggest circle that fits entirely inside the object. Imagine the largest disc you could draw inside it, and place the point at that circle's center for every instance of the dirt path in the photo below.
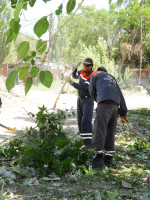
(16, 106)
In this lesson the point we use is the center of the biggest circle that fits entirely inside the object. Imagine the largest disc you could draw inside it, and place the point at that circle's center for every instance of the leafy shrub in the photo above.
(148, 90)
(48, 149)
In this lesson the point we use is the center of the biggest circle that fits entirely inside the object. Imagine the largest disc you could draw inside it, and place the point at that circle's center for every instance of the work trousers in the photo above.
(85, 108)
(104, 129)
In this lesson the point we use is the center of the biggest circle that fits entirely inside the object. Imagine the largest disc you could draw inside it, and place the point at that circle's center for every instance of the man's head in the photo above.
(101, 69)
(66, 66)
(88, 64)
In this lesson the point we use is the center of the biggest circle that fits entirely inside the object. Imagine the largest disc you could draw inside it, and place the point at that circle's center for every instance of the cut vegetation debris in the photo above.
(48, 165)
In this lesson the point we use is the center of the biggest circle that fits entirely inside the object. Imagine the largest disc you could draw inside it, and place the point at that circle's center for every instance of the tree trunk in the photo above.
(141, 52)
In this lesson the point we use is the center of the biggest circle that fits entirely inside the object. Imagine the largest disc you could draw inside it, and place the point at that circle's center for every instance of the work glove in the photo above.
(123, 119)
(68, 79)
(73, 66)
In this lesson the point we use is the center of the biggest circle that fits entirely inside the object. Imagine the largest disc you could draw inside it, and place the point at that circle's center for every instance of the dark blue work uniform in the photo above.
(110, 103)
(85, 104)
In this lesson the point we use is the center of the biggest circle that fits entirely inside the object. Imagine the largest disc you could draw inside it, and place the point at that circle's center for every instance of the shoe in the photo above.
(86, 147)
(108, 160)
(98, 162)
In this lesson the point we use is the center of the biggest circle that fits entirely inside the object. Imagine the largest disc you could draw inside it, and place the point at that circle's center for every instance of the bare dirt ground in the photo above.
(16, 106)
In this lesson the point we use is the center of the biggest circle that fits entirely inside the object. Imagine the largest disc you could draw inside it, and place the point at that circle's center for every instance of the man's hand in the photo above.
(123, 119)
(68, 79)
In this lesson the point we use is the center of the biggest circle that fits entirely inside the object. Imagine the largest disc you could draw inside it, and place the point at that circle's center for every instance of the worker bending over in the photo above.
(110, 103)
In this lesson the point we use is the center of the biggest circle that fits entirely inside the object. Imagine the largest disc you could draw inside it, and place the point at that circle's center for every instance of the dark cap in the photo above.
(88, 60)
(101, 69)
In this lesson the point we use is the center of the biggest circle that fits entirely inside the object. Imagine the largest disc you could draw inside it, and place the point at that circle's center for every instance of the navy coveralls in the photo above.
(85, 105)
(106, 92)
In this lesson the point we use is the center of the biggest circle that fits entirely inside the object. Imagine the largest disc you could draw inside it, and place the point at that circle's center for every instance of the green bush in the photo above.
(148, 90)
(48, 149)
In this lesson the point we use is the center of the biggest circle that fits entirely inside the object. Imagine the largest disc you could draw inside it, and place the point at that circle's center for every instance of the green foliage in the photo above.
(23, 49)
(5, 15)
(70, 6)
(28, 85)
(59, 10)
(23, 71)
(148, 91)
(48, 149)
(41, 46)
(41, 27)
(46, 78)
(128, 81)
(10, 81)
(2, 8)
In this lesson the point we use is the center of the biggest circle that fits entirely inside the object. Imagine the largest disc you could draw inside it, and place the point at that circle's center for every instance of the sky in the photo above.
(40, 9)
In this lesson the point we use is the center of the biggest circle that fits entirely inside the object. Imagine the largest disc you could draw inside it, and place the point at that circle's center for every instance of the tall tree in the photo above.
(143, 3)
(5, 15)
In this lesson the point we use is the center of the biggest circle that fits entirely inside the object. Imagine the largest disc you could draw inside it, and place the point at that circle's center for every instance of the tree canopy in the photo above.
(111, 37)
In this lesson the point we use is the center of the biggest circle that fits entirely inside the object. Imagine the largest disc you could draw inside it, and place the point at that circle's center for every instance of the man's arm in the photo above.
(79, 86)
(75, 73)
(123, 107)
(92, 88)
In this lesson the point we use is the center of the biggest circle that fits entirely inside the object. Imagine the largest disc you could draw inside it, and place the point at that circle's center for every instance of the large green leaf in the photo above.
(2, 8)
(41, 46)
(15, 28)
(28, 85)
(23, 49)
(9, 35)
(10, 81)
(41, 27)
(59, 10)
(46, 78)
(34, 71)
(70, 6)
(23, 71)
(32, 2)
(18, 9)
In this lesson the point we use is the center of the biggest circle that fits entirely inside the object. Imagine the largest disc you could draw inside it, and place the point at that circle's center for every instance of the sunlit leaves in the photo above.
(59, 10)
(9, 35)
(18, 9)
(34, 71)
(23, 49)
(41, 27)
(28, 85)
(46, 78)
(12, 33)
(41, 46)
(1, 24)
(2, 8)
(23, 71)
(15, 26)
(70, 6)
(32, 2)
(10, 81)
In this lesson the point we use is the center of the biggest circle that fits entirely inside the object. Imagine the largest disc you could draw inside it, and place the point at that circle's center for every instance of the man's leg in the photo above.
(86, 123)
(99, 133)
(110, 137)
(79, 113)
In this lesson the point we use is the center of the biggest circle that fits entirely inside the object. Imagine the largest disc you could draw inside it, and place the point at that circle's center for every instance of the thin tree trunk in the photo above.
(141, 52)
